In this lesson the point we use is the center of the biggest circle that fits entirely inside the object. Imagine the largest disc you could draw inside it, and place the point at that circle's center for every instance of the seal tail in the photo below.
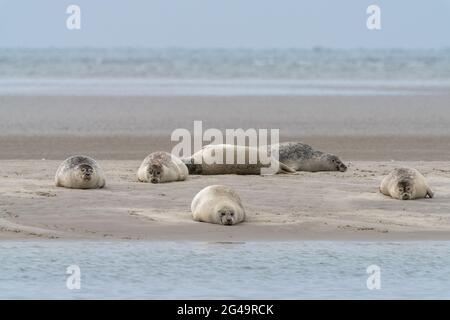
(186, 161)
(286, 169)
(189, 162)
(193, 168)
(430, 193)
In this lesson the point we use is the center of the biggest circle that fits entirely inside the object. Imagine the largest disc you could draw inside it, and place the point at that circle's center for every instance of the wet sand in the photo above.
(294, 116)
(376, 148)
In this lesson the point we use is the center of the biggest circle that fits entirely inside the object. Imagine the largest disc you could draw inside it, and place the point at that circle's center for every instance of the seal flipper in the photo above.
(189, 162)
(286, 169)
(430, 193)
(193, 168)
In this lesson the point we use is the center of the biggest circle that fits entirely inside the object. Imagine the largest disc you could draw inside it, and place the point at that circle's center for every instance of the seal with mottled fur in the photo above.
(214, 159)
(405, 184)
(218, 204)
(160, 167)
(303, 157)
(80, 172)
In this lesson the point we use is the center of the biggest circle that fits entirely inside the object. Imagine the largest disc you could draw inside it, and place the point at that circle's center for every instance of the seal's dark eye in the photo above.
(222, 214)
(232, 214)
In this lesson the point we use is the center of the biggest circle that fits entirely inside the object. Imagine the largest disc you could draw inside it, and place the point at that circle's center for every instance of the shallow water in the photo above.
(195, 270)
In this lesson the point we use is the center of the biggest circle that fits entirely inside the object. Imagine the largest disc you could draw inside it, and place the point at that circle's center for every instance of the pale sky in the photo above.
(225, 23)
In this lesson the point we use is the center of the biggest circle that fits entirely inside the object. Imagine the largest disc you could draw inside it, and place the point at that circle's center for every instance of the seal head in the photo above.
(227, 216)
(335, 163)
(86, 172)
(406, 189)
(155, 171)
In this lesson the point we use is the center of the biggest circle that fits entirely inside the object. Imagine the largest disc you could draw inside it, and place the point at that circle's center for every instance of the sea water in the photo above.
(221, 270)
(176, 71)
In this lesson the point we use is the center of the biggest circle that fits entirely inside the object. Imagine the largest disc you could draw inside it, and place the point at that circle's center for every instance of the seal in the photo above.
(405, 184)
(212, 159)
(218, 204)
(160, 167)
(80, 172)
(303, 157)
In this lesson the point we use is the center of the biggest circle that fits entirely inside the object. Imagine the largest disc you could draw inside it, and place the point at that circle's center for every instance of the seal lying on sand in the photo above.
(205, 161)
(405, 184)
(218, 204)
(80, 172)
(303, 157)
(160, 167)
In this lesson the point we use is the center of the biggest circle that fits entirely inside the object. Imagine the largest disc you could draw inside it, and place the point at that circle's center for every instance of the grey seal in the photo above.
(218, 204)
(405, 184)
(212, 159)
(303, 157)
(160, 167)
(80, 172)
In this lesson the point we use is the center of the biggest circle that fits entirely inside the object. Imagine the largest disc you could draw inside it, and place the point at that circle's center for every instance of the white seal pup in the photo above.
(218, 204)
(80, 172)
(405, 184)
(160, 167)
(303, 157)
(212, 159)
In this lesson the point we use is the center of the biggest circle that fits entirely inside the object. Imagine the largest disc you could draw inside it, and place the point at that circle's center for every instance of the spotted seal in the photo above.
(160, 167)
(405, 184)
(80, 172)
(303, 157)
(218, 204)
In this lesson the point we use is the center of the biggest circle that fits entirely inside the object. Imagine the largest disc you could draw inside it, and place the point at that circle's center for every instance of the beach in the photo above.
(364, 87)
(371, 134)
(308, 206)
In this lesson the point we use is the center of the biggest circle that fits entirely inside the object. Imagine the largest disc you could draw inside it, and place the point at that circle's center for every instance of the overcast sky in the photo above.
(225, 23)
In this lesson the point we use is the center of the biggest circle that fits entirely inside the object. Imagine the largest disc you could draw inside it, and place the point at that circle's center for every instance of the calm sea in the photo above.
(195, 270)
(175, 71)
